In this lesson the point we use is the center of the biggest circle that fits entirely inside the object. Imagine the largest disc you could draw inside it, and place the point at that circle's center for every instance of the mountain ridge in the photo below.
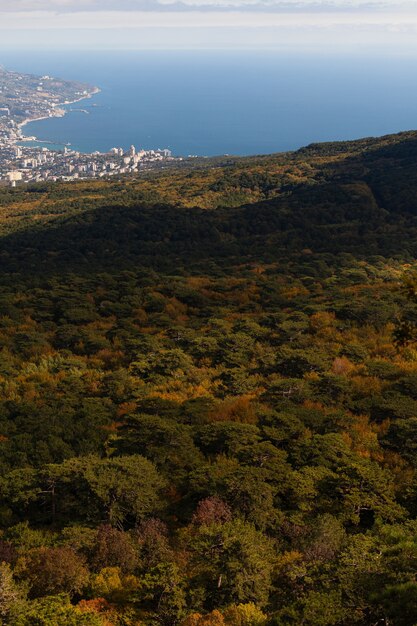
(208, 394)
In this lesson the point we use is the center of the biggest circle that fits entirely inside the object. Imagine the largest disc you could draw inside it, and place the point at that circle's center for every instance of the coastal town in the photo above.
(25, 98)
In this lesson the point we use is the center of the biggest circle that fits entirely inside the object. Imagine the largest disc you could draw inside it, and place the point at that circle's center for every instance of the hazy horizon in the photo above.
(355, 26)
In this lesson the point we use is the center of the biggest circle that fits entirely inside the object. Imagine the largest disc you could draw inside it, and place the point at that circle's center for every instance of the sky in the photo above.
(287, 25)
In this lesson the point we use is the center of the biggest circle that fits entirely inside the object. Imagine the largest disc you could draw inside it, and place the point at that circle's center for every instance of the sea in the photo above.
(213, 103)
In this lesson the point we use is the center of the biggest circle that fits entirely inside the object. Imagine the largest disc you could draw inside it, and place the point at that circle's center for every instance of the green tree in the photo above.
(11, 596)
(231, 562)
(56, 611)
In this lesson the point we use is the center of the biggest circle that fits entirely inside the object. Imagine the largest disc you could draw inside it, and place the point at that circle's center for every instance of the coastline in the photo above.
(20, 125)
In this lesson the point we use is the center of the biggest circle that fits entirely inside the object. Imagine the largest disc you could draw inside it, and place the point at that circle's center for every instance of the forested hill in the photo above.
(208, 393)
(356, 197)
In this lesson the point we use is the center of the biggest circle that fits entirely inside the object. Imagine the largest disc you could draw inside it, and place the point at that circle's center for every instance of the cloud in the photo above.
(288, 16)
(144, 24)
(389, 21)
(284, 6)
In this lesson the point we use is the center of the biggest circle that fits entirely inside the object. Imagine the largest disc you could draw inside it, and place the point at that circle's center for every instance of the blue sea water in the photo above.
(209, 103)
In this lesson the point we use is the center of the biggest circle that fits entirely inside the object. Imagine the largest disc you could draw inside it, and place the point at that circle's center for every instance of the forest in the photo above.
(208, 393)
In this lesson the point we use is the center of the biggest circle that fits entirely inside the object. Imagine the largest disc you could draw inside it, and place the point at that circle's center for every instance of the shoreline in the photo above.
(20, 125)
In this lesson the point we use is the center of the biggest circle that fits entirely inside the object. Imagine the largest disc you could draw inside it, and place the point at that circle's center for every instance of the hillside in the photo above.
(205, 419)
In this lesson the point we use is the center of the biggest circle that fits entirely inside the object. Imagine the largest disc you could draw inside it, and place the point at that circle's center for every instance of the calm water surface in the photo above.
(225, 103)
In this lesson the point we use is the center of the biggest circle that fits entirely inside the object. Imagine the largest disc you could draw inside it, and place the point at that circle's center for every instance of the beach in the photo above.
(60, 113)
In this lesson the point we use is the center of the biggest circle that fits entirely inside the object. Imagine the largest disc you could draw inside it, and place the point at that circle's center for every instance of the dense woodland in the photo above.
(208, 394)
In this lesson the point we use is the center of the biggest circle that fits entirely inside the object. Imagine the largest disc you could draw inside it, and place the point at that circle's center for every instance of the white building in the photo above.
(13, 177)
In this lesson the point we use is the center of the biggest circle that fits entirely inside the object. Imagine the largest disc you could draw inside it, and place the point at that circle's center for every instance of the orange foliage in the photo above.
(112, 428)
(96, 605)
(366, 384)
(322, 319)
(258, 269)
(176, 310)
(311, 376)
(394, 461)
(362, 437)
(316, 406)
(341, 366)
(293, 292)
(99, 606)
(102, 324)
(125, 408)
(192, 620)
(215, 618)
(238, 409)
(198, 281)
(110, 358)
(141, 316)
